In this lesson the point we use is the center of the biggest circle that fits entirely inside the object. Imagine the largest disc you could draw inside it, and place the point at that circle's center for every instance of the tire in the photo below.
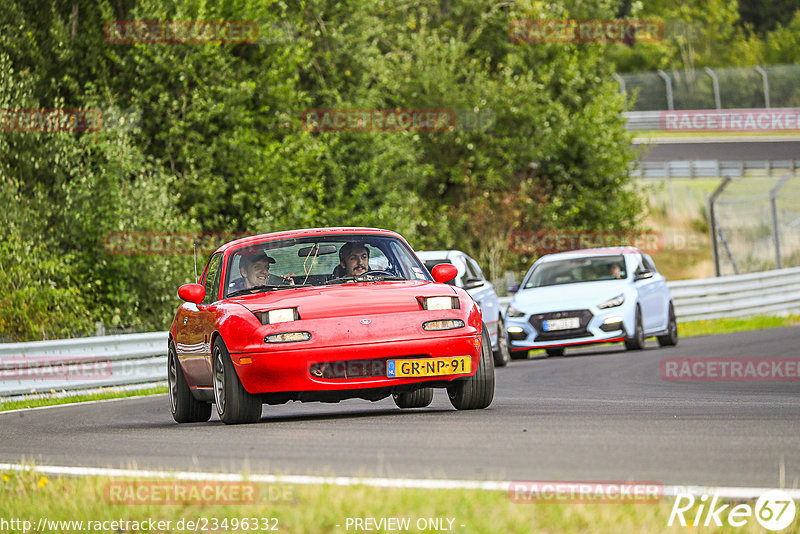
(501, 355)
(234, 404)
(670, 339)
(555, 351)
(419, 398)
(185, 408)
(636, 342)
(477, 391)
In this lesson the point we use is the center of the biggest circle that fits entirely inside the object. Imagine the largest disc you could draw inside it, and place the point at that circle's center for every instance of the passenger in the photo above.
(254, 269)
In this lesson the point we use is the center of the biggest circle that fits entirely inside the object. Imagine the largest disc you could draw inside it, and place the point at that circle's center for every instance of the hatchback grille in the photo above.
(584, 316)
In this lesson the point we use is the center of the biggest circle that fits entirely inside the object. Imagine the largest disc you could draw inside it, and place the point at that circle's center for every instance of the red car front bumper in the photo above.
(290, 369)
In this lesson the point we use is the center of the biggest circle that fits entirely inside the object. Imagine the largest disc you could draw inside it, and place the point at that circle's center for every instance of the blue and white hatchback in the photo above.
(587, 296)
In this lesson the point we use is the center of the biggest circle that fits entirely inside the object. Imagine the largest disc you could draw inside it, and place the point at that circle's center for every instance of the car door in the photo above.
(483, 294)
(192, 338)
(647, 288)
(661, 297)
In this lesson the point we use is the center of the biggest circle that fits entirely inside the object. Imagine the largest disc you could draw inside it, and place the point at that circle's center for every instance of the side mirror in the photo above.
(513, 288)
(194, 293)
(642, 276)
(444, 272)
(472, 283)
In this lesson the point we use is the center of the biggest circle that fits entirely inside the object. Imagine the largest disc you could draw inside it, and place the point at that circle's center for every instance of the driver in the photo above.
(615, 270)
(354, 259)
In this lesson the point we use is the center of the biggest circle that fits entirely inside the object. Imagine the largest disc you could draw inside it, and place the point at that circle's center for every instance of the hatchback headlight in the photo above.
(612, 303)
(513, 312)
(440, 303)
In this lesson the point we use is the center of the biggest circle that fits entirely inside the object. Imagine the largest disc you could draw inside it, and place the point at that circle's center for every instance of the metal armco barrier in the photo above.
(767, 293)
(82, 363)
(42, 366)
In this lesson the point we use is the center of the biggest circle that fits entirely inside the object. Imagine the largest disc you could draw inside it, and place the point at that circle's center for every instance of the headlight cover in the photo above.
(440, 303)
(282, 315)
(513, 312)
(612, 303)
(287, 337)
(443, 324)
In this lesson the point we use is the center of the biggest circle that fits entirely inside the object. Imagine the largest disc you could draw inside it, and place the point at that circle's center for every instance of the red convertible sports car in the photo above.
(324, 315)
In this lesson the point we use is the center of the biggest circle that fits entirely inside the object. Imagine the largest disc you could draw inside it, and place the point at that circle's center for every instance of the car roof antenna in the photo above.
(194, 247)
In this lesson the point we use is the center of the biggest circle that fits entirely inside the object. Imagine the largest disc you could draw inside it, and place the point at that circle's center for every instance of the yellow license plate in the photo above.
(428, 367)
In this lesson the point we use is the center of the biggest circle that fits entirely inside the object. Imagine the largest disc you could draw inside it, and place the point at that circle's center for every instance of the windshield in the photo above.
(577, 270)
(321, 260)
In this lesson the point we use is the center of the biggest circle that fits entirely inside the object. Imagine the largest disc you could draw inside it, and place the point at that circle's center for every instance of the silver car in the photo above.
(470, 277)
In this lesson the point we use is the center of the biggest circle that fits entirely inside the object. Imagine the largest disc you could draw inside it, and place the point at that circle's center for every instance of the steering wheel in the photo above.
(378, 272)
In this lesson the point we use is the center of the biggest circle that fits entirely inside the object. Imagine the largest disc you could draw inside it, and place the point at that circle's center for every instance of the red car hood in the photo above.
(344, 300)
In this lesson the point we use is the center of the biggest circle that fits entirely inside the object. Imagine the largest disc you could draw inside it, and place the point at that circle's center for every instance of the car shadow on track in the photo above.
(577, 352)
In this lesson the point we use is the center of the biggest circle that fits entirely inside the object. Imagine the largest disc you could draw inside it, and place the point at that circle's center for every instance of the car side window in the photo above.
(648, 263)
(469, 272)
(211, 283)
(640, 268)
(475, 269)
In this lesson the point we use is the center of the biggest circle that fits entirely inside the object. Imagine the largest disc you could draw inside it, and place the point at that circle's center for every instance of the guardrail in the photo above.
(83, 363)
(768, 292)
(713, 169)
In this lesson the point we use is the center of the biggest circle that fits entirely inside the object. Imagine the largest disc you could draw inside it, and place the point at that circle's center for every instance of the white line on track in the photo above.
(725, 492)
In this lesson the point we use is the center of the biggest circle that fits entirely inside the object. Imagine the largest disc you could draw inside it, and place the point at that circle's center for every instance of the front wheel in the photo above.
(501, 355)
(419, 398)
(670, 339)
(185, 408)
(636, 342)
(477, 391)
(234, 404)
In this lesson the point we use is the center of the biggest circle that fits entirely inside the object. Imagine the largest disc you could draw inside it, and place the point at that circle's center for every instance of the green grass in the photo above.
(320, 508)
(725, 326)
(105, 393)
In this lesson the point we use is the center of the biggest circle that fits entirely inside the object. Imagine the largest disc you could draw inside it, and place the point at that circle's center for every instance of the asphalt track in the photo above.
(600, 414)
(730, 149)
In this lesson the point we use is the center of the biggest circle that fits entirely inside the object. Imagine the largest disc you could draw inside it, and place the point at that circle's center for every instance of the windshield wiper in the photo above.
(363, 278)
(266, 287)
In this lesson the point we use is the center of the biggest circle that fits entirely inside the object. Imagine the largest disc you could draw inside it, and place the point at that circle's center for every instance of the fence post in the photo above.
(773, 204)
(668, 84)
(765, 81)
(712, 221)
(621, 81)
(715, 83)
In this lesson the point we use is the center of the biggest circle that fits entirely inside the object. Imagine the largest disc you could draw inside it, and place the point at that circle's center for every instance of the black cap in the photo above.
(248, 259)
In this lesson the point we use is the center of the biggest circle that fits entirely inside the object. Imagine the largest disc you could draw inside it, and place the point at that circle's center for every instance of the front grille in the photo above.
(537, 319)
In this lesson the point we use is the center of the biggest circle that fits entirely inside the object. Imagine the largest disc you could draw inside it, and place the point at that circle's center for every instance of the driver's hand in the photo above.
(289, 278)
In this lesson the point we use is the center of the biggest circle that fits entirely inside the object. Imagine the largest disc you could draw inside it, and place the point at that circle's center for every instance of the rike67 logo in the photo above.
(774, 510)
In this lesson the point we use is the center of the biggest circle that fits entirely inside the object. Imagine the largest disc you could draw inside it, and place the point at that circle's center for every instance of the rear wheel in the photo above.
(636, 342)
(185, 408)
(501, 355)
(477, 391)
(670, 339)
(419, 398)
(555, 351)
(234, 404)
